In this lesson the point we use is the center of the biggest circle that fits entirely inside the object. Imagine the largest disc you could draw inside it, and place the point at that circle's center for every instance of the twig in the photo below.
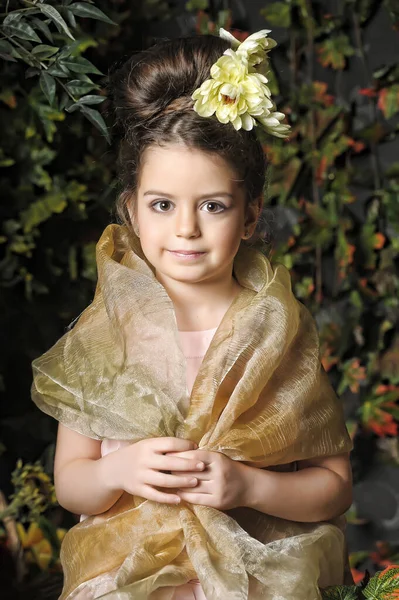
(315, 189)
(371, 103)
(14, 542)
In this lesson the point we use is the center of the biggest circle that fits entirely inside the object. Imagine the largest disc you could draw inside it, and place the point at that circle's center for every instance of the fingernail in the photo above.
(177, 501)
(192, 481)
(200, 465)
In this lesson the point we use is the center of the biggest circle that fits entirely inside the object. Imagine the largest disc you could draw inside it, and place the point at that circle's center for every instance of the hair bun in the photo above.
(162, 78)
(179, 104)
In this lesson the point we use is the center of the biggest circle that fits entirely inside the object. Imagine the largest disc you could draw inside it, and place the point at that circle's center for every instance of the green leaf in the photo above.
(7, 57)
(71, 18)
(64, 101)
(89, 270)
(77, 47)
(194, 5)
(78, 87)
(42, 209)
(55, 16)
(67, 50)
(6, 50)
(47, 84)
(6, 46)
(50, 532)
(91, 99)
(22, 30)
(48, 112)
(43, 27)
(334, 51)
(277, 14)
(49, 130)
(95, 117)
(7, 162)
(32, 72)
(86, 100)
(388, 101)
(340, 592)
(80, 65)
(82, 9)
(12, 18)
(58, 70)
(383, 584)
(42, 51)
(24, 55)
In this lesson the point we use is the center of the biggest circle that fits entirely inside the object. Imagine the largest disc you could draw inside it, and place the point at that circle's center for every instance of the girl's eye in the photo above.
(214, 204)
(162, 204)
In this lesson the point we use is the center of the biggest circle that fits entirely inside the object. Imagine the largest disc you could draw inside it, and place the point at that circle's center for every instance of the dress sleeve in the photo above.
(58, 389)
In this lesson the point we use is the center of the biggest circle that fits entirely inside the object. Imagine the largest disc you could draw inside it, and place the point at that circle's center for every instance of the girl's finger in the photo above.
(202, 487)
(196, 498)
(156, 496)
(171, 444)
(171, 481)
(201, 476)
(170, 463)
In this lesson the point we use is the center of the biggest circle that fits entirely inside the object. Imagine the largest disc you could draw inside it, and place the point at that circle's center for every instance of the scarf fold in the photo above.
(260, 396)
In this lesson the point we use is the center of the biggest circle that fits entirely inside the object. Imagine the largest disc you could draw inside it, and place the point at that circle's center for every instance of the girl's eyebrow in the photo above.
(158, 193)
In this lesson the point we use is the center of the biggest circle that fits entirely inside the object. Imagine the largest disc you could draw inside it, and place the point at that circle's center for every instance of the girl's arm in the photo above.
(79, 478)
(90, 484)
(320, 490)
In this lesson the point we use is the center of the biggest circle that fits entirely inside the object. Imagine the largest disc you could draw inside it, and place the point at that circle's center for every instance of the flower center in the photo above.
(228, 100)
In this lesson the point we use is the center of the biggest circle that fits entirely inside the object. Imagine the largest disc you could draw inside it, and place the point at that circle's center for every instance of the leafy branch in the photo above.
(23, 31)
(383, 586)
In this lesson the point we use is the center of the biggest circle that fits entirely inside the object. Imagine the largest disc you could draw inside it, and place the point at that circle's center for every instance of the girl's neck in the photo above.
(200, 313)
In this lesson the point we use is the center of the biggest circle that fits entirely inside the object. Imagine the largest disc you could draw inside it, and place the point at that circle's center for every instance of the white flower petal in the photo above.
(270, 43)
(229, 90)
(223, 111)
(279, 115)
(204, 110)
(226, 35)
(247, 122)
(261, 77)
(254, 37)
(267, 103)
(270, 121)
(237, 124)
(229, 52)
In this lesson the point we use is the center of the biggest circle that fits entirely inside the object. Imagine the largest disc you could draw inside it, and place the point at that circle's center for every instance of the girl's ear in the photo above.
(131, 209)
(254, 210)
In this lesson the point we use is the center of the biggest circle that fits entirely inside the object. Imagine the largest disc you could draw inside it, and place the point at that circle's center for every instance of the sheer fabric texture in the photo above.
(194, 345)
(260, 397)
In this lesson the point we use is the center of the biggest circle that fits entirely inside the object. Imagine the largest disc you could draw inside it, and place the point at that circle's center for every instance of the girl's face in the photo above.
(190, 201)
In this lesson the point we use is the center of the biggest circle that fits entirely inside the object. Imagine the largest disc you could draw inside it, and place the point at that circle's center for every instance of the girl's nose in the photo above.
(187, 224)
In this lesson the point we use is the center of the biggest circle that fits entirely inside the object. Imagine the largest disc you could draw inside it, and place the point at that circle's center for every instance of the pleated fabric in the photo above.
(260, 397)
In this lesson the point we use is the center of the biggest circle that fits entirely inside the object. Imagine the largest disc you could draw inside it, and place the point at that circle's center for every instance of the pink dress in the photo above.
(194, 345)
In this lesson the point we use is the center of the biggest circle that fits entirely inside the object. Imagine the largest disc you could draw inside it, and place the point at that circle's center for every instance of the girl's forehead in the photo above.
(183, 164)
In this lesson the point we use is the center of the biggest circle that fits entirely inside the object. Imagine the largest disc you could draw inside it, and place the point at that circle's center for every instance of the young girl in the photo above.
(199, 436)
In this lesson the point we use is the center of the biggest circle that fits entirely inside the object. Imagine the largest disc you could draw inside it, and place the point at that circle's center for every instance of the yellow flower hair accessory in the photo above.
(237, 91)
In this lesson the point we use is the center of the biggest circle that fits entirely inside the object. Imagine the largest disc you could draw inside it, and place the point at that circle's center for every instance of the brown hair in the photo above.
(151, 94)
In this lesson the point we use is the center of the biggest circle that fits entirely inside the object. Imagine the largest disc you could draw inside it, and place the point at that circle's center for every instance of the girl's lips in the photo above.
(187, 255)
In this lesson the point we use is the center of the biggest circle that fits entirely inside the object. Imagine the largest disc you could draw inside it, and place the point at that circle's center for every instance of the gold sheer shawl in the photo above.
(261, 397)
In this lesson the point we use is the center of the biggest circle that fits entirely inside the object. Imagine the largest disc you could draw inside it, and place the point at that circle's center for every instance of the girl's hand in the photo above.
(223, 484)
(143, 467)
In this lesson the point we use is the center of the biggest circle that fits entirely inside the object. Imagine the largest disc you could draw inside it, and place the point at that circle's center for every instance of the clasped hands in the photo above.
(222, 484)
(168, 470)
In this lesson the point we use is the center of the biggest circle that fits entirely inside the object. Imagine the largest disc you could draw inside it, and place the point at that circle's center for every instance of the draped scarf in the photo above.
(261, 397)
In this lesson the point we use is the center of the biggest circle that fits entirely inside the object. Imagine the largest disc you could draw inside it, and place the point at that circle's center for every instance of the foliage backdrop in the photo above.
(333, 199)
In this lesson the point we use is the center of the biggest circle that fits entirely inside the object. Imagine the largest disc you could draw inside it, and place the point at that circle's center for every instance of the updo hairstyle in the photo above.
(151, 95)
